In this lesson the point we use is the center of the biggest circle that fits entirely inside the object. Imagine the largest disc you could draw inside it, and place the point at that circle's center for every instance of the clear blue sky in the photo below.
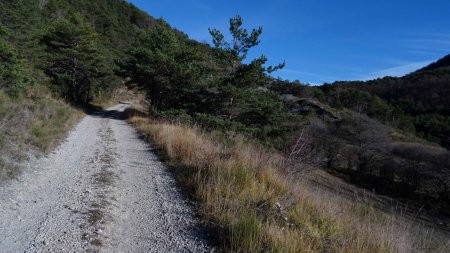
(325, 40)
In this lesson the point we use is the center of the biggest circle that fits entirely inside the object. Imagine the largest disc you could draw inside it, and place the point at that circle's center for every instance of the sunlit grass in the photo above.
(257, 208)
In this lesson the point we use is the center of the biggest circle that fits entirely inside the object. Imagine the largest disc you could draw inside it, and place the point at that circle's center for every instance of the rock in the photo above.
(278, 206)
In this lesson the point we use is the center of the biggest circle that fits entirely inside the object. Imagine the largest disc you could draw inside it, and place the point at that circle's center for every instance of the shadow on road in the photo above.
(98, 112)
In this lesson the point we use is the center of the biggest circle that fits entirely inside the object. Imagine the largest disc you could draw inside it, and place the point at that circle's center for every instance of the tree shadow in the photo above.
(99, 112)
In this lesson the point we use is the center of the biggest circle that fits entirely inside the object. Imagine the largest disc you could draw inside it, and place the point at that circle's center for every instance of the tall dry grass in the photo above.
(255, 207)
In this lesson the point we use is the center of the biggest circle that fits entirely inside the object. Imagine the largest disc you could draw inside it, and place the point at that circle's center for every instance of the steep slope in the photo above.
(113, 20)
(422, 95)
(29, 117)
(30, 94)
(373, 133)
(214, 89)
(441, 63)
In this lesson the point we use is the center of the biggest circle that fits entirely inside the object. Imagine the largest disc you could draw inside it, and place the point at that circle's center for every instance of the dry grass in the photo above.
(256, 208)
(118, 95)
(40, 122)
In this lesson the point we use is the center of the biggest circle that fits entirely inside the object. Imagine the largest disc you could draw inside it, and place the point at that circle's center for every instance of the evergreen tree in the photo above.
(75, 59)
(234, 52)
(167, 68)
(14, 75)
(240, 97)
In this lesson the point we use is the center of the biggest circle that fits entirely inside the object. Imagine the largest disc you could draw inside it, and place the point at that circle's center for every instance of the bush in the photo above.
(212, 123)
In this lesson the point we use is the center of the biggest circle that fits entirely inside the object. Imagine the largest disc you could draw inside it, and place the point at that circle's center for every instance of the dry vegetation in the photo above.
(118, 95)
(37, 123)
(244, 191)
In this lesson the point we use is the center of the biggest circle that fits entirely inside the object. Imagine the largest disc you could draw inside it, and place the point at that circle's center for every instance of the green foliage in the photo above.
(211, 122)
(434, 127)
(254, 107)
(14, 74)
(377, 107)
(112, 21)
(242, 40)
(83, 42)
(212, 88)
(413, 98)
(372, 105)
(318, 94)
(235, 51)
(246, 233)
(243, 96)
(164, 65)
(75, 61)
(287, 87)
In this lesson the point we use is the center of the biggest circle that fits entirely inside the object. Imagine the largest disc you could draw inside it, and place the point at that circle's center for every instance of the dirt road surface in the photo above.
(102, 190)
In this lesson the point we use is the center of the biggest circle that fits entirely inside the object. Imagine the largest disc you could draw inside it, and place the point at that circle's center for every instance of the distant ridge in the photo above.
(441, 63)
(423, 95)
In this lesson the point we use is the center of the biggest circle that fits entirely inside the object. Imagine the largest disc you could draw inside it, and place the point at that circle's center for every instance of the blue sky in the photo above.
(325, 40)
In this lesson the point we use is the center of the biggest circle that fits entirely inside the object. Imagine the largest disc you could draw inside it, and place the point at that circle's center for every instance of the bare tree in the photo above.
(299, 155)
(325, 139)
(370, 139)
(424, 162)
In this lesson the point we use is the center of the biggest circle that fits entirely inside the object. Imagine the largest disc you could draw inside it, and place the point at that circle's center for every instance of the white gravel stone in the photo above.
(132, 205)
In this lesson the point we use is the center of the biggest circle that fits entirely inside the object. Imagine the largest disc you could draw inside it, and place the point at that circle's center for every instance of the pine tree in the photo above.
(168, 69)
(15, 78)
(234, 52)
(75, 60)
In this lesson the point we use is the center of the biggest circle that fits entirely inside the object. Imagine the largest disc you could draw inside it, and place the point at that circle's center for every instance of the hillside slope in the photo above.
(244, 134)
(439, 64)
(422, 95)
(384, 135)
(36, 39)
(113, 20)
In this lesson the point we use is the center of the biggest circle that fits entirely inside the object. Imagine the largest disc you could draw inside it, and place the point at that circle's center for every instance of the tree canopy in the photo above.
(74, 59)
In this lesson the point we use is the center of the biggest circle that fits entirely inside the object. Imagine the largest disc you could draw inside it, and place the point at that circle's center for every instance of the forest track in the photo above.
(102, 190)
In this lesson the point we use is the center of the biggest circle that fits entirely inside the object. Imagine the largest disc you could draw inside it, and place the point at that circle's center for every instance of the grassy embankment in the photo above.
(26, 124)
(255, 207)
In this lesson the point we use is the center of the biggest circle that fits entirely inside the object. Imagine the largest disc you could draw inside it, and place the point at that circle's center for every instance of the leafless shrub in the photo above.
(301, 155)
(426, 168)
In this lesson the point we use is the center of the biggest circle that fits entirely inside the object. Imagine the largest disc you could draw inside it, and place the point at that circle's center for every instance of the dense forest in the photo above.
(71, 45)
(389, 134)
(54, 54)
(83, 49)
(420, 100)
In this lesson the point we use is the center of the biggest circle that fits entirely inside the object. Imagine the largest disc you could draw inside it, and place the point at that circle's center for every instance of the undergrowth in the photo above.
(256, 207)
(37, 123)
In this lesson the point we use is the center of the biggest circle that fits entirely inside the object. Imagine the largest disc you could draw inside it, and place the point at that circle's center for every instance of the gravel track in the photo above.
(102, 190)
